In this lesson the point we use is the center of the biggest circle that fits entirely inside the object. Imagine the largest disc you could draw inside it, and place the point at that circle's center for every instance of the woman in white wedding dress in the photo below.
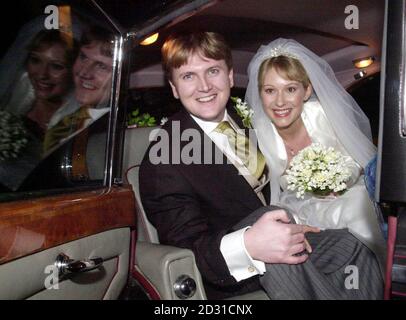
(297, 101)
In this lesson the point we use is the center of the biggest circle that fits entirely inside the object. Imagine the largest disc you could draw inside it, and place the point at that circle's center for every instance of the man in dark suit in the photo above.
(202, 193)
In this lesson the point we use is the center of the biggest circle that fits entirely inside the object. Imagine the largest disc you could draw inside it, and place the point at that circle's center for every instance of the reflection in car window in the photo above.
(54, 99)
(92, 72)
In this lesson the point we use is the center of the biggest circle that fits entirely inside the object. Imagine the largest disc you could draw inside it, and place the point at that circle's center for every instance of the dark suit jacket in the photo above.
(193, 206)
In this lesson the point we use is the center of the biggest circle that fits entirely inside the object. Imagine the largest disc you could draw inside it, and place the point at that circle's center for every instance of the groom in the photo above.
(202, 193)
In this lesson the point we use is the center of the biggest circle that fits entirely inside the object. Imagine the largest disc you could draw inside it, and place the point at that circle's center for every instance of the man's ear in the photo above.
(308, 93)
(174, 90)
(231, 77)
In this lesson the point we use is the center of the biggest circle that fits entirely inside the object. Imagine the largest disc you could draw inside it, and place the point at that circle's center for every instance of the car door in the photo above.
(65, 226)
(80, 226)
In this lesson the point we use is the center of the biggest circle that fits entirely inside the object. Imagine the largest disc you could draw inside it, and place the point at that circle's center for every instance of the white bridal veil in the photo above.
(348, 121)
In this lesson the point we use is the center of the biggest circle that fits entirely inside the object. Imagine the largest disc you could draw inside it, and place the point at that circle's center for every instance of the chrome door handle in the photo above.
(67, 265)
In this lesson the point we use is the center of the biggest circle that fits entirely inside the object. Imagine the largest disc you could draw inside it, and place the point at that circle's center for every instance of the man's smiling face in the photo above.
(203, 86)
(92, 75)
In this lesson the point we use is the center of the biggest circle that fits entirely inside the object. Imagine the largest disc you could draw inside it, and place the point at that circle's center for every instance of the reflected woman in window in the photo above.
(49, 70)
(39, 82)
(43, 86)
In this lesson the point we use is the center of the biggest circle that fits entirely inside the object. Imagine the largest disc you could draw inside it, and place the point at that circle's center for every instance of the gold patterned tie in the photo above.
(65, 127)
(252, 157)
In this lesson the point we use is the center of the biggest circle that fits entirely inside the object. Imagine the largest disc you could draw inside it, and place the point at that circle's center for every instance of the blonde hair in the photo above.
(285, 66)
(178, 48)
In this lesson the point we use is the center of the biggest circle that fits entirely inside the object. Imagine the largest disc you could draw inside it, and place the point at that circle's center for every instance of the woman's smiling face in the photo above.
(282, 99)
(49, 72)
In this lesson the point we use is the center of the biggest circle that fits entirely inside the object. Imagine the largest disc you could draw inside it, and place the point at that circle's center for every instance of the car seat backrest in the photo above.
(136, 144)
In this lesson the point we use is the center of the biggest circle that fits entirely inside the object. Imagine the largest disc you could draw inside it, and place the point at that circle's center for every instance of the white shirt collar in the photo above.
(209, 126)
(97, 113)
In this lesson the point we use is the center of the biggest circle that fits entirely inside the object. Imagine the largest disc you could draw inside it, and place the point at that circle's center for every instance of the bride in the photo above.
(297, 101)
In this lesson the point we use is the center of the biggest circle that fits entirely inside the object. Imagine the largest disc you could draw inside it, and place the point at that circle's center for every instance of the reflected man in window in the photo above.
(92, 73)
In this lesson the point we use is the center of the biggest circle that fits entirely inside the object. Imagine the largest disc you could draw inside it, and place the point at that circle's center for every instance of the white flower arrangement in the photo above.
(13, 136)
(243, 110)
(318, 170)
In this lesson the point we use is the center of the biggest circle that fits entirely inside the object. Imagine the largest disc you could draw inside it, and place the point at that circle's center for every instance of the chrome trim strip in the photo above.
(114, 102)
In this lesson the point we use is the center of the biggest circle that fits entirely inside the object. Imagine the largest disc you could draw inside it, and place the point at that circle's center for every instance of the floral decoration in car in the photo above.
(137, 119)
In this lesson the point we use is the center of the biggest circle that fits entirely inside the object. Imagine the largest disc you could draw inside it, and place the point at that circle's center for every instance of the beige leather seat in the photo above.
(136, 144)
(159, 265)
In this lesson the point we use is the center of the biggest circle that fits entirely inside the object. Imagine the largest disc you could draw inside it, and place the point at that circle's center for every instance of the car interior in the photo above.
(72, 223)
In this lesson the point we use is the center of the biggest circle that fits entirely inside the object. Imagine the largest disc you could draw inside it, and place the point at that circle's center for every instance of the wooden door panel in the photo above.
(81, 225)
(32, 225)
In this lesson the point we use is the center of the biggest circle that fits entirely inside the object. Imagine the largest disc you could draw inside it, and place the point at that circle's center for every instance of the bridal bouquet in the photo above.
(13, 135)
(318, 170)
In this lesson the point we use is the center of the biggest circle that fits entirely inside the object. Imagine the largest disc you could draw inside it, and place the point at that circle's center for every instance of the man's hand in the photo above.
(272, 239)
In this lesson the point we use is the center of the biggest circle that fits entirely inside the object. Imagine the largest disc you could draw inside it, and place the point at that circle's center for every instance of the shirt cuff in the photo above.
(240, 264)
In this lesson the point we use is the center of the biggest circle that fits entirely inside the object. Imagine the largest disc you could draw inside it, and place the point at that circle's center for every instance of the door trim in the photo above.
(34, 225)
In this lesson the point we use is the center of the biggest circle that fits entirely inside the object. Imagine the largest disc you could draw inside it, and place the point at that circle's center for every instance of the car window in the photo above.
(55, 98)
(366, 93)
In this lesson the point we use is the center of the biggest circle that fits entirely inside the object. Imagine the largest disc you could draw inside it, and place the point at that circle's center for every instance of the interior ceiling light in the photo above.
(150, 40)
(363, 62)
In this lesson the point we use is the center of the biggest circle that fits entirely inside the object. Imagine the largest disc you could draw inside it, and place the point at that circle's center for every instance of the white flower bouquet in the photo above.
(318, 170)
(13, 136)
